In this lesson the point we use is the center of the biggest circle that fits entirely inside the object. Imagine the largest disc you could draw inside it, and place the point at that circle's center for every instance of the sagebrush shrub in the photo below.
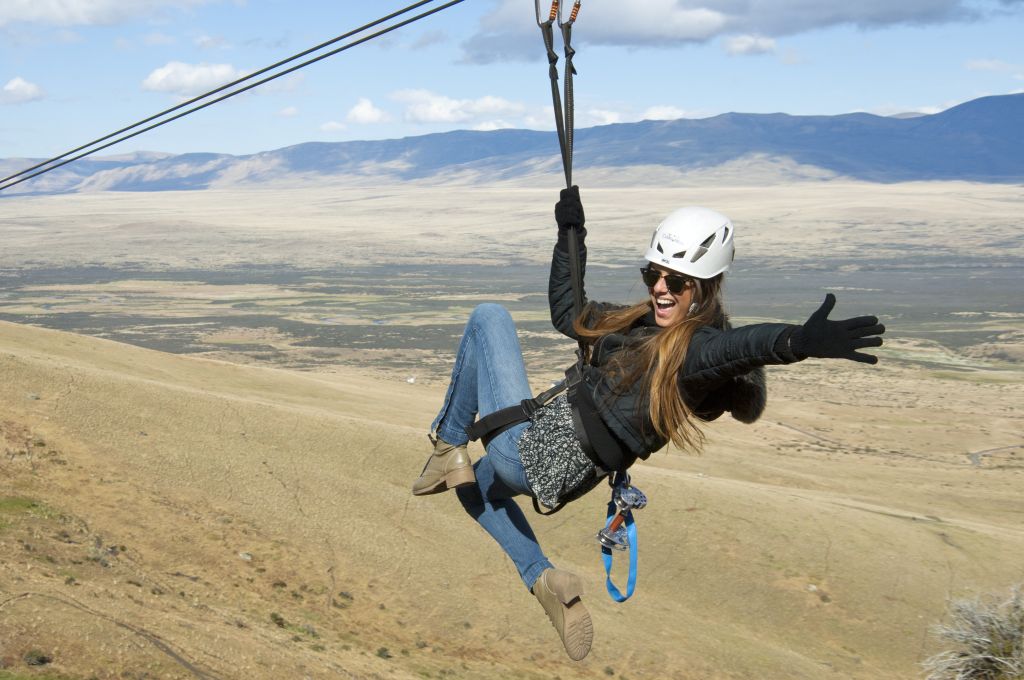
(987, 638)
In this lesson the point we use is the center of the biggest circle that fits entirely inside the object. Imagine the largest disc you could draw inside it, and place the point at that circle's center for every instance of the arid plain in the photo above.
(212, 406)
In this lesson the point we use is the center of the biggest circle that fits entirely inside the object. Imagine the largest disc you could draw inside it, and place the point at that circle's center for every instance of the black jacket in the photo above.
(722, 370)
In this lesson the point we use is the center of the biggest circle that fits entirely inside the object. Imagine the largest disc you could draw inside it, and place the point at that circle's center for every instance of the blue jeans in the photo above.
(489, 375)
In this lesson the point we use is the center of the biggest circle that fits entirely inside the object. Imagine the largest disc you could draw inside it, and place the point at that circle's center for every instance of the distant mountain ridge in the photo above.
(980, 140)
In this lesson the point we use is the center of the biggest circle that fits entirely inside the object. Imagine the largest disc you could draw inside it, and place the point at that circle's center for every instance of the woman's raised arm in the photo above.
(568, 215)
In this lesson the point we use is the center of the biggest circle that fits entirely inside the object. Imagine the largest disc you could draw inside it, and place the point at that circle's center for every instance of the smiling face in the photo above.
(670, 308)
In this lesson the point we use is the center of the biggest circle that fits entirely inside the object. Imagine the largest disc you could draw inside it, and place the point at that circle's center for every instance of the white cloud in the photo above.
(540, 119)
(510, 32)
(365, 113)
(424, 106)
(18, 91)
(85, 12)
(333, 126)
(1015, 71)
(663, 113)
(288, 112)
(602, 117)
(910, 111)
(190, 79)
(489, 125)
(749, 44)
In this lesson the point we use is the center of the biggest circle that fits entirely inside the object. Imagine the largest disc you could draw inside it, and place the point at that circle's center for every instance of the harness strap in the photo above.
(547, 32)
(570, 71)
(490, 426)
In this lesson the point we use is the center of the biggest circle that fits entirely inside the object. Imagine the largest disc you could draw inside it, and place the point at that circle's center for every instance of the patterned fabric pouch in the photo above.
(556, 467)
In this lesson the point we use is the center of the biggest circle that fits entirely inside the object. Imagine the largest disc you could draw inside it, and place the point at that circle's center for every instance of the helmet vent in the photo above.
(660, 249)
(703, 248)
(680, 255)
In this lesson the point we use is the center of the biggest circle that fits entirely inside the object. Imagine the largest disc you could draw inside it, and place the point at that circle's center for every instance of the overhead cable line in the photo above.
(25, 177)
(221, 88)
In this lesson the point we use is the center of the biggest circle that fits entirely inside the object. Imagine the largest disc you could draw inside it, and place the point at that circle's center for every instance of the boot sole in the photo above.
(577, 627)
(452, 480)
(579, 631)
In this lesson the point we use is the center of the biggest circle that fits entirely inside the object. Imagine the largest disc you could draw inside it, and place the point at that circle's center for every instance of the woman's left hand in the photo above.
(820, 337)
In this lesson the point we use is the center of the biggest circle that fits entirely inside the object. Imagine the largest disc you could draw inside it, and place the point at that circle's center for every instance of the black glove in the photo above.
(819, 337)
(569, 209)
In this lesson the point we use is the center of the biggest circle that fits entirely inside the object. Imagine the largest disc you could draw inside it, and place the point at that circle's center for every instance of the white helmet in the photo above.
(693, 241)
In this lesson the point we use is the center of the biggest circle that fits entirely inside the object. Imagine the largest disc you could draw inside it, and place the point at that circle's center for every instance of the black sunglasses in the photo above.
(676, 283)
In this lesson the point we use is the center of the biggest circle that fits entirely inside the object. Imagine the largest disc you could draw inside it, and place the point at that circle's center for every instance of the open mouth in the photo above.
(663, 304)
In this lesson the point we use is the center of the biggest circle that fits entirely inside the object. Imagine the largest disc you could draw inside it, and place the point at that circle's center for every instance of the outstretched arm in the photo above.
(715, 356)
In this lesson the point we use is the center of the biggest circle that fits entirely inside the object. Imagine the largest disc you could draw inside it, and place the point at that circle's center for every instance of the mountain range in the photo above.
(980, 140)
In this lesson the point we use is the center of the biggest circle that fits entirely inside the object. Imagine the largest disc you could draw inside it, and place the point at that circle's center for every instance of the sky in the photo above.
(75, 70)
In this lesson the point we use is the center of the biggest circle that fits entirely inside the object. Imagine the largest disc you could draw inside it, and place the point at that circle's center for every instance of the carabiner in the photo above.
(572, 15)
(555, 12)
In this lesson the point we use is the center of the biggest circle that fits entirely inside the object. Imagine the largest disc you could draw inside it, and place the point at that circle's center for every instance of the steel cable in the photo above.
(25, 177)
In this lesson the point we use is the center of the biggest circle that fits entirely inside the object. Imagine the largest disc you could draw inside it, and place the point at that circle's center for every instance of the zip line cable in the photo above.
(25, 177)
(221, 88)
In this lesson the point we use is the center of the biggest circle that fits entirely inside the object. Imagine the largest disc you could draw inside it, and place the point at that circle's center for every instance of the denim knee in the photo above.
(490, 313)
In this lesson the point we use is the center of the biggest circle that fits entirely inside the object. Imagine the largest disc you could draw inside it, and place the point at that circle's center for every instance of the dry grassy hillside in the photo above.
(172, 517)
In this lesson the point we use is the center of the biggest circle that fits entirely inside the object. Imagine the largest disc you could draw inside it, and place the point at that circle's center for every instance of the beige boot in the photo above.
(448, 467)
(559, 592)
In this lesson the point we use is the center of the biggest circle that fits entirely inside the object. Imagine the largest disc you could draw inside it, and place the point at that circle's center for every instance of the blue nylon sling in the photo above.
(607, 557)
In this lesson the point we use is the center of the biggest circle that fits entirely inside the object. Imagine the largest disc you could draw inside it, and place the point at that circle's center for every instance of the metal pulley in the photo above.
(625, 499)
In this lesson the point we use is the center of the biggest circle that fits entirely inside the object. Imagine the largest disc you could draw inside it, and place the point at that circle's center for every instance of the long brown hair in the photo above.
(658, 359)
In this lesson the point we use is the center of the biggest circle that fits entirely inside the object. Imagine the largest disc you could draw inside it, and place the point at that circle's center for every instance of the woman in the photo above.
(654, 371)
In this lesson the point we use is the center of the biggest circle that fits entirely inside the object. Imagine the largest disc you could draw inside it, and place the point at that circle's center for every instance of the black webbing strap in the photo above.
(564, 125)
(490, 426)
(570, 71)
(548, 33)
(573, 380)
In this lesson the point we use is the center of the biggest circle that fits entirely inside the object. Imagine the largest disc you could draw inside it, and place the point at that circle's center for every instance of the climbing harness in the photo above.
(490, 426)
(619, 532)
